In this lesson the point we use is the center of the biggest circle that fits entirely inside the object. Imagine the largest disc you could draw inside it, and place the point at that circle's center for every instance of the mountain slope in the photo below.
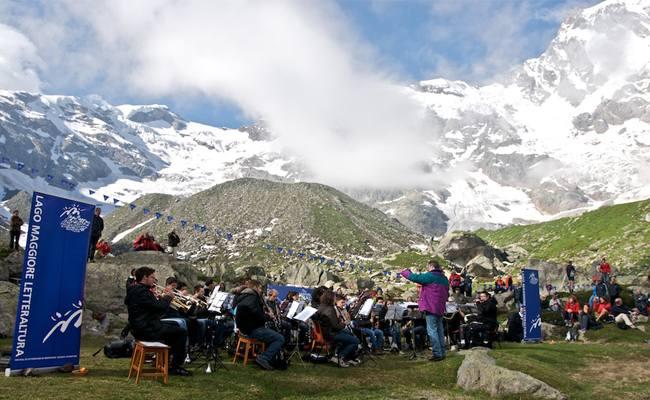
(300, 216)
(620, 232)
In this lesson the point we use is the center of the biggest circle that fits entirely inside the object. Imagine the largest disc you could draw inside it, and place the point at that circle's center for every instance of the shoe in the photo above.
(263, 364)
(436, 359)
(179, 371)
(344, 364)
(334, 360)
(568, 337)
(454, 348)
(641, 328)
(354, 362)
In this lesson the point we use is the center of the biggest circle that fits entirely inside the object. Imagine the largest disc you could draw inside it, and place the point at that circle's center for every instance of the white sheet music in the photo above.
(367, 307)
(216, 301)
(293, 309)
(305, 314)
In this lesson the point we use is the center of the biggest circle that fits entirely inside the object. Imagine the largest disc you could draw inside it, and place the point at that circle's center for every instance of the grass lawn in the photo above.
(612, 364)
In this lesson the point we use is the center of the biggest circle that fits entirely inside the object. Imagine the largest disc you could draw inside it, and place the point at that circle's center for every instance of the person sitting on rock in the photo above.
(624, 316)
(571, 311)
(146, 242)
(508, 281)
(602, 309)
(455, 281)
(103, 249)
(641, 302)
(499, 285)
(555, 304)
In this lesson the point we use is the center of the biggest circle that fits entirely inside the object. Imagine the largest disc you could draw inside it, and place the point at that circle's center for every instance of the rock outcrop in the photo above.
(480, 372)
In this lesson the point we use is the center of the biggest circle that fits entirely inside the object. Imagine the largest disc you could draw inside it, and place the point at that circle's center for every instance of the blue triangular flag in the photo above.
(183, 223)
(170, 218)
(19, 165)
(105, 197)
(322, 259)
(115, 201)
(228, 236)
(132, 206)
(196, 227)
(145, 211)
(341, 263)
(290, 252)
(268, 246)
(203, 228)
(280, 249)
(49, 177)
(301, 255)
(91, 192)
(158, 215)
(5, 159)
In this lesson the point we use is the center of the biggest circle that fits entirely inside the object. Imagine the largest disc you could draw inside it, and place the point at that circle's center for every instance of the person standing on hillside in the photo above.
(433, 298)
(14, 231)
(172, 241)
(605, 270)
(571, 276)
(95, 233)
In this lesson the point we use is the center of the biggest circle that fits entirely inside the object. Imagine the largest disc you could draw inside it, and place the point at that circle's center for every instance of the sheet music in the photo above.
(293, 309)
(367, 307)
(305, 314)
(451, 308)
(217, 301)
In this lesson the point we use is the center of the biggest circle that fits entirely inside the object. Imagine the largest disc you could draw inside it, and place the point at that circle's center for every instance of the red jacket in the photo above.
(104, 248)
(599, 307)
(572, 307)
(454, 280)
(605, 268)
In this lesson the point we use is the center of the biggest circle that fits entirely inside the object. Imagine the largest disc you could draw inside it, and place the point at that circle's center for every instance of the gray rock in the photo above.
(11, 266)
(504, 300)
(550, 331)
(308, 275)
(548, 272)
(480, 372)
(8, 304)
(365, 283)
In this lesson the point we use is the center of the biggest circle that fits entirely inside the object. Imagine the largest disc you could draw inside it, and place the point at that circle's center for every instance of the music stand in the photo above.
(413, 355)
(302, 316)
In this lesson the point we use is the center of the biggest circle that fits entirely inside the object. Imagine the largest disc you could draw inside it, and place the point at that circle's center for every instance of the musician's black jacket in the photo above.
(250, 311)
(329, 321)
(487, 312)
(145, 311)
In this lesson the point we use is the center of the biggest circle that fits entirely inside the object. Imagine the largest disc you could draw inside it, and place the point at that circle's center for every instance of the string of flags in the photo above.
(70, 185)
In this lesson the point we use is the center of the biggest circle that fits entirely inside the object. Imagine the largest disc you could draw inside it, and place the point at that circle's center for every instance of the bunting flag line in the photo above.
(158, 215)
(145, 211)
(170, 218)
(132, 206)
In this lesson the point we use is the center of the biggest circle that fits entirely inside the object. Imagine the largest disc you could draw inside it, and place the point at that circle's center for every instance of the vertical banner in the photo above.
(50, 301)
(532, 306)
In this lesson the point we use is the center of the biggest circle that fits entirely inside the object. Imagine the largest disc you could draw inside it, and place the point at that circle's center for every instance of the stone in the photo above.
(549, 272)
(365, 283)
(308, 275)
(482, 267)
(504, 300)
(12, 265)
(480, 372)
(8, 304)
(460, 247)
(550, 331)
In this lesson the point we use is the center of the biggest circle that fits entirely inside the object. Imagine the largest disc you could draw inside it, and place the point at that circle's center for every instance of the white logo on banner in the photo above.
(537, 323)
(63, 321)
(73, 221)
(533, 279)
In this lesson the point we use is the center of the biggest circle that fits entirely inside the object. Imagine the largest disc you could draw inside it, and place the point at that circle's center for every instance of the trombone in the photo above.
(180, 301)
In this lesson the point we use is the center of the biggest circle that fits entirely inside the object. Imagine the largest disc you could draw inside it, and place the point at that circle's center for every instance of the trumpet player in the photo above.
(145, 310)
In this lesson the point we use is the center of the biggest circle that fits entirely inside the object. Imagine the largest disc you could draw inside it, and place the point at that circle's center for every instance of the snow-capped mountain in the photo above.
(564, 132)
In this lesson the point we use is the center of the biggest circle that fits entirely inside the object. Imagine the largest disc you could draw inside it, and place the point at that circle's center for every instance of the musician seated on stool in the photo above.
(250, 319)
(145, 310)
(335, 328)
(483, 323)
(415, 325)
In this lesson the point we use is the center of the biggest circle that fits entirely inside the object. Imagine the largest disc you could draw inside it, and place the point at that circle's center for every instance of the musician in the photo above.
(415, 327)
(336, 330)
(484, 322)
(144, 318)
(249, 316)
(433, 297)
(209, 287)
(291, 297)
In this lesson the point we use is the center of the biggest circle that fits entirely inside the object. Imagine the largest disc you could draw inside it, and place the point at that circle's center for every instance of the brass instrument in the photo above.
(180, 301)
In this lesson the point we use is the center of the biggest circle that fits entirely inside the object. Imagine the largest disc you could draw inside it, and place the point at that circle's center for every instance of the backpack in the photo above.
(280, 361)
(119, 349)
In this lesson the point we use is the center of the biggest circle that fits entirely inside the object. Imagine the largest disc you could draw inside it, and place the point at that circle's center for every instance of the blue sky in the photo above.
(406, 40)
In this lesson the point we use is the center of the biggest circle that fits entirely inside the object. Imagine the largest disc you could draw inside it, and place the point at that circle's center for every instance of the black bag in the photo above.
(119, 349)
(280, 361)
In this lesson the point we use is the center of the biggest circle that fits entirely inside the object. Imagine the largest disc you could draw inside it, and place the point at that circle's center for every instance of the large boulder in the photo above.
(504, 300)
(11, 266)
(463, 248)
(308, 275)
(549, 272)
(484, 267)
(365, 283)
(8, 304)
(480, 372)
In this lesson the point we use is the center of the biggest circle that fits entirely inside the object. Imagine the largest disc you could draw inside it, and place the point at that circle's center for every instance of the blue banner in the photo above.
(532, 306)
(304, 292)
(50, 303)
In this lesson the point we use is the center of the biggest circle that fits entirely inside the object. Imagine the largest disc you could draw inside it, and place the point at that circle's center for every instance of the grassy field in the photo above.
(620, 232)
(611, 364)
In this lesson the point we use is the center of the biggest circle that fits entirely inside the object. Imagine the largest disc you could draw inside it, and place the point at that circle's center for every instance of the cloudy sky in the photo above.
(83, 47)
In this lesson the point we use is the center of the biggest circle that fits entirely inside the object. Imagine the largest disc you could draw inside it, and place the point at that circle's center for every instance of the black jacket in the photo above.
(172, 239)
(145, 311)
(329, 321)
(98, 226)
(487, 312)
(250, 311)
(16, 223)
(616, 310)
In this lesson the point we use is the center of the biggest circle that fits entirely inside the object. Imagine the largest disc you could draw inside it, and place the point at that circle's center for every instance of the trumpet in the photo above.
(180, 301)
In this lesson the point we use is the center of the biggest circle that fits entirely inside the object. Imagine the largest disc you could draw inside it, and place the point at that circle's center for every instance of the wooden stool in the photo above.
(161, 368)
(250, 347)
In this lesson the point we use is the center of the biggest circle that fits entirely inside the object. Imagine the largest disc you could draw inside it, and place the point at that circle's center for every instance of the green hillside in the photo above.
(621, 232)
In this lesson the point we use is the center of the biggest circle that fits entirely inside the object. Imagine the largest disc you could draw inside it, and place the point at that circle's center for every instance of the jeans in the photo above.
(436, 332)
(348, 344)
(376, 337)
(172, 335)
(395, 333)
(273, 340)
(13, 240)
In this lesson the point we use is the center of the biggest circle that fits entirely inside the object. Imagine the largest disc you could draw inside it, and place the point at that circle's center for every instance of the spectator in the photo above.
(641, 302)
(16, 224)
(555, 304)
(605, 270)
(614, 290)
(571, 311)
(146, 242)
(571, 276)
(499, 285)
(95, 233)
(623, 315)
(172, 241)
(602, 308)
(103, 249)
(454, 281)
(467, 283)
(508, 281)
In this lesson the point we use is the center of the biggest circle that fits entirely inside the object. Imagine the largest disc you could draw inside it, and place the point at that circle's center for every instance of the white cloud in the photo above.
(296, 65)
(19, 61)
